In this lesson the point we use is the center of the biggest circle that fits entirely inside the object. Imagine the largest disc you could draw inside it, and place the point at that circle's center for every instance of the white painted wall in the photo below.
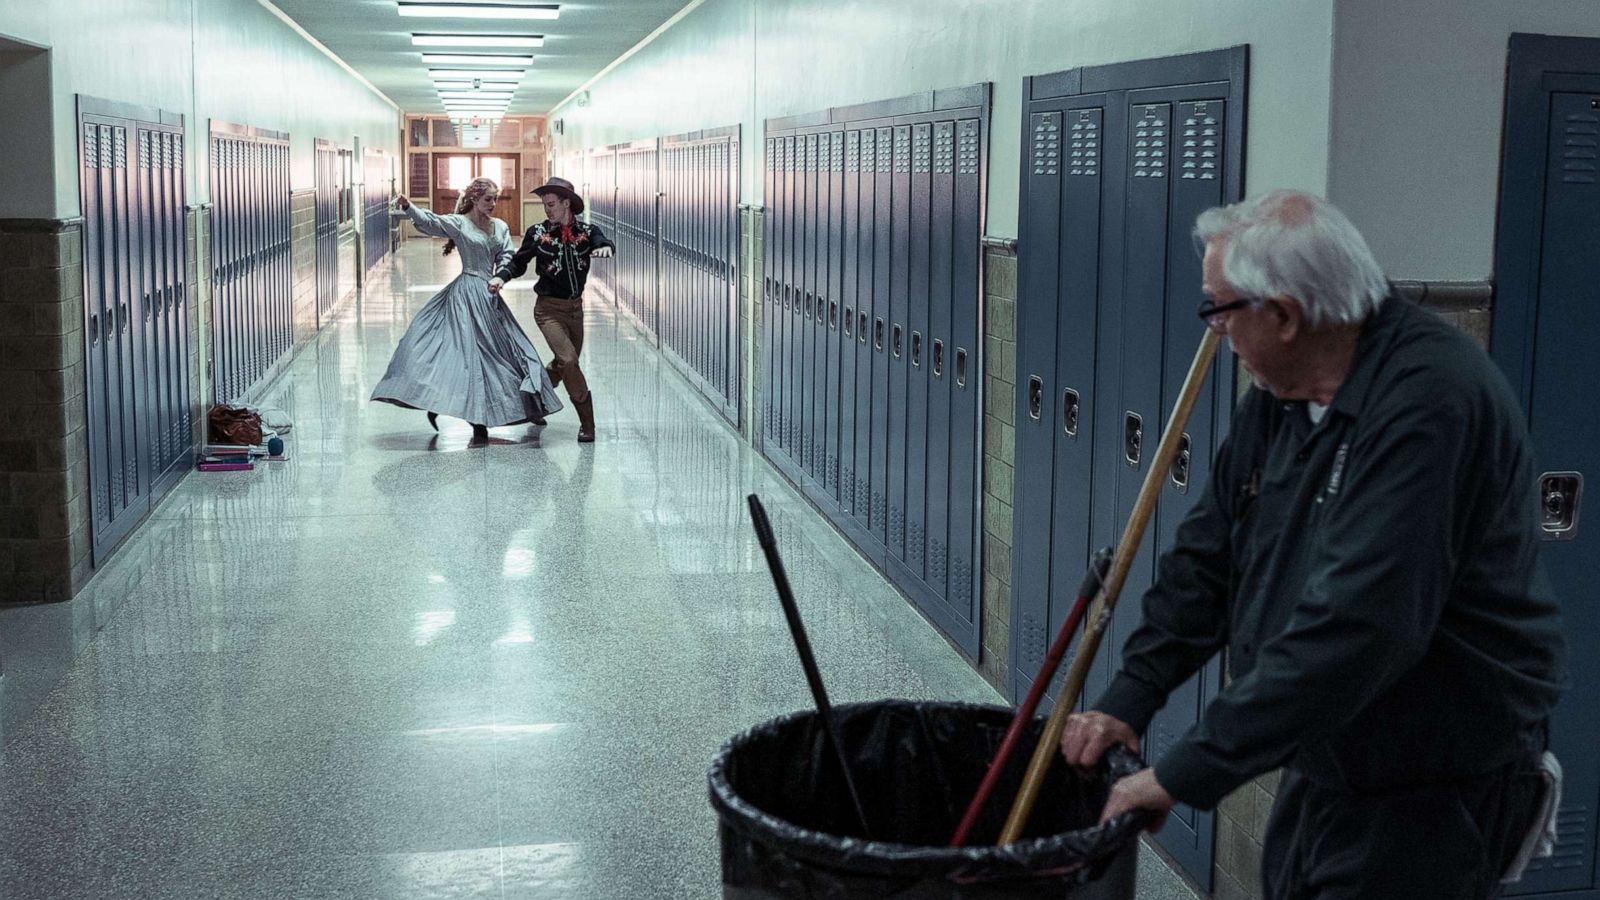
(744, 61)
(229, 60)
(1417, 99)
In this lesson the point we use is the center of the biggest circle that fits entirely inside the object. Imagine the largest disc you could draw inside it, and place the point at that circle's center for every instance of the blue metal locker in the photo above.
(1545, 329)
(965, 376)
(849, 296)
(899, 365)
(1118, 167)
(882, 323)
(866, 413)
(936, 358)
(769, 288)
(917, 339)
(830, 328)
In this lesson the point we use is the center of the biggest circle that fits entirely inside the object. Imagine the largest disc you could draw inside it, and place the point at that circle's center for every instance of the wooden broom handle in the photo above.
(1100, 614)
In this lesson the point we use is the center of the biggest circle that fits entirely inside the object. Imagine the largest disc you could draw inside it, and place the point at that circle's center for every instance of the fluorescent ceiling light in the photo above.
(511, 75)
(475, 95)
(465, 105)
(477, 40)
(479, 10)
(475, 59)
(467, 85)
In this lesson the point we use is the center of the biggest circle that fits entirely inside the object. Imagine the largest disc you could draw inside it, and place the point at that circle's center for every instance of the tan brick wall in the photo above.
(303, 232)
(44, 473)
(752, 249)
(999, 460)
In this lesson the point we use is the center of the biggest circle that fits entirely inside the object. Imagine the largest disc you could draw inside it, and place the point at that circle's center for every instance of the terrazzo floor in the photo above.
(397, 666)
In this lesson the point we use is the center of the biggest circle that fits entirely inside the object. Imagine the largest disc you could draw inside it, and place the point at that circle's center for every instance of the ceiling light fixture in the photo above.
(508, 75)
(475, 59)
(477, 40)
(475, 95)
(480, 10)
(475, 84)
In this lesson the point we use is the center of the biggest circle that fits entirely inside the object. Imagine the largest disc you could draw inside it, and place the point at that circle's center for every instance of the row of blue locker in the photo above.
(870, 332)
(671, 205)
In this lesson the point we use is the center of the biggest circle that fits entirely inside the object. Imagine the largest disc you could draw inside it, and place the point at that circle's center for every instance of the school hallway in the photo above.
(399, 666)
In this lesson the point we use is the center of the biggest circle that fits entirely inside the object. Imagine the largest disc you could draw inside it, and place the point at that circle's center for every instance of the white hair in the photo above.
(1297, 245)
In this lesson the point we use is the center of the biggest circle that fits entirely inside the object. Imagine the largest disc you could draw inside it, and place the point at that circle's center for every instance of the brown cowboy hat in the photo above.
(561, 188)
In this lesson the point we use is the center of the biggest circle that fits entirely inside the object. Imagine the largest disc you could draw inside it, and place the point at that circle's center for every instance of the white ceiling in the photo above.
(375, 40)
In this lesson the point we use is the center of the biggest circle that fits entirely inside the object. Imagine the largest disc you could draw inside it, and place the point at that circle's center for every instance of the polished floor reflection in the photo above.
(400, 666)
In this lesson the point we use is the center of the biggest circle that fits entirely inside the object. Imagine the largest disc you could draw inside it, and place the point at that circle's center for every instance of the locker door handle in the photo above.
(810, 301)
(895, 349)
(916, 349)
(833, 315)
(861, 327)
(938, 358)
(1560, 494)
(961, 368)
(849, 322)
(1070, 407)
(1132, 438)
(94, 329)
(1035, 397)
(147, 304)
(1181, 464)
(877, 335)
(122, 316)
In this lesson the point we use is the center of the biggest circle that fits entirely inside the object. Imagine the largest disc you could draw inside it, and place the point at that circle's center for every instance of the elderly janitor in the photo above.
(1366, 553)
(560, 248)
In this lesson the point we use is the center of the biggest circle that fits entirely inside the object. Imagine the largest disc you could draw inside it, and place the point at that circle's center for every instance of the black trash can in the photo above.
(788, 828)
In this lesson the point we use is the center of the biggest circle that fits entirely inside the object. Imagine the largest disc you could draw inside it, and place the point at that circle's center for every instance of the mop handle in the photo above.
(1100, 614)
(1052, 660)
(769, 546)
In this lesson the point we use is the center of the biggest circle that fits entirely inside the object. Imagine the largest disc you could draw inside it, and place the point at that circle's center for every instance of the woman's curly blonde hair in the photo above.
(471, 195)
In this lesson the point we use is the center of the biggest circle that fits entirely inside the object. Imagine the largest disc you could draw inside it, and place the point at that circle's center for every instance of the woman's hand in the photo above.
(402, 202)
(601, 253)
(495, 284)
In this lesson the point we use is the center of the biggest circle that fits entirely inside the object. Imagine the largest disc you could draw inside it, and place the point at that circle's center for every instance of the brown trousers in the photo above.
(561, 323)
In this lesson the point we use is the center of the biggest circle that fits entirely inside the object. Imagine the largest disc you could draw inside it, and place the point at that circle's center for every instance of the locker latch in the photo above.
(1069, 412)
(861, 327)
(877, 335)
(961, 367)
(833, 315)
(849, 322)
(916, 349)
(94, 329)
(1132, 437)
(938, 358)
(1180, 465)
(1035, 397)
(895, 349)
(1560, 494)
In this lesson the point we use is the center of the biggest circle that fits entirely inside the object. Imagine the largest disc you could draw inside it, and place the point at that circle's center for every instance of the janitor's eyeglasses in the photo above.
(1209, 308)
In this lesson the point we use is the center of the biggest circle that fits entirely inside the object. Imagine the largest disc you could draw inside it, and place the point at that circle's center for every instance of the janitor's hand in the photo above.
(601, 253)
(1139, 791)
(1089, 735)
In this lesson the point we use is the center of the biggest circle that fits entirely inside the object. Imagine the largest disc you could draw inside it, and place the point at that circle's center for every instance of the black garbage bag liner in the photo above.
(788, 828)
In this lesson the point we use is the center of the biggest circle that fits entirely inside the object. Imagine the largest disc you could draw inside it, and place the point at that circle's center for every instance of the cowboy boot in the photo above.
(480, 434)
(554, 371)
(585, 410)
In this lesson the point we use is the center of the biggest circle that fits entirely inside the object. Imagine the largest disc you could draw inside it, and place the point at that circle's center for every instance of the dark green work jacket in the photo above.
(1373, 578)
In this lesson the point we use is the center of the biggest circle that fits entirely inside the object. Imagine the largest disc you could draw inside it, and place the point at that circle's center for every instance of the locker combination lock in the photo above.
(897, 344)
(961, 368)
(1070, 404)
(916, 349)
(1560, 494)
(1180, 465)
(1132, 438)
(938, 358)
(1035, 397)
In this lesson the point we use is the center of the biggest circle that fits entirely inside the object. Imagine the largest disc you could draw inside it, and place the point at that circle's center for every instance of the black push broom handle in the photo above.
(769, 546)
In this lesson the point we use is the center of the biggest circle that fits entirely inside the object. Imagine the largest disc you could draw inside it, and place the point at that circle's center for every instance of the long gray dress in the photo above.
(464, 355)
